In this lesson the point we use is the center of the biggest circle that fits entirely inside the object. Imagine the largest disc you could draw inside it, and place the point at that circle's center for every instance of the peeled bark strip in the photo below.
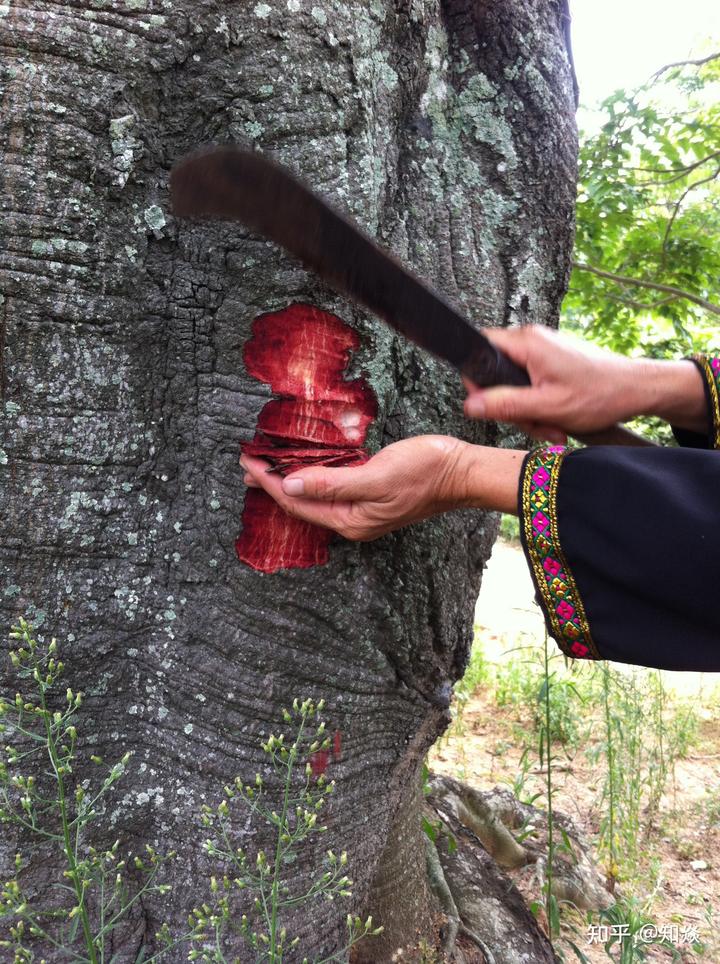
(322, 419)
(447, 129)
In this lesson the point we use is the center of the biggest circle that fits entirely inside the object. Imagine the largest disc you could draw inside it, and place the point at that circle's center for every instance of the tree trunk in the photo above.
(447, 130)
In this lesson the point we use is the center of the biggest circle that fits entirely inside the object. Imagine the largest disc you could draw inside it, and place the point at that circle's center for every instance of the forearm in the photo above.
(671, 390)
(488, 478)
(577, 390)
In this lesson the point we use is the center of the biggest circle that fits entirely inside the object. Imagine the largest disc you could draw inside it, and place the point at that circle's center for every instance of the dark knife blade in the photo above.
(237, 185)
(232, 184)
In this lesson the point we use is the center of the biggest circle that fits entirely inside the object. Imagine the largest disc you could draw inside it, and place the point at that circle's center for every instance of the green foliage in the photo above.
(642, 735)
(524, 683)
(78, 920)
(425, 778)
(648, 217)
(476, 675)
(565, 704)
(642, 741)
(509, 528)
(478, 672)
(552, 910)
(711, 806)
(434, 830)
(633, 933)
(516, 683)
(519, 782)
(291, 808)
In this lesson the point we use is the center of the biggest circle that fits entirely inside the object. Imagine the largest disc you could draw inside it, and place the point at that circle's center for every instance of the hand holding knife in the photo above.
(233, 184)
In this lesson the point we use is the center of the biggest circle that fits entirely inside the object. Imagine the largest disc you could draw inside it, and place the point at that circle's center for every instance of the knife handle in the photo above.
(486, 369)
(487, 366)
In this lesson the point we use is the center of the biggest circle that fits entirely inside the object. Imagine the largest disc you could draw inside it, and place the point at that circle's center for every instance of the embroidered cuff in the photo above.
(557, 592)
(710, 370)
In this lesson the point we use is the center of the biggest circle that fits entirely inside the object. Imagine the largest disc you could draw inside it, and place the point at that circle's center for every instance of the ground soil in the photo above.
(484, 748)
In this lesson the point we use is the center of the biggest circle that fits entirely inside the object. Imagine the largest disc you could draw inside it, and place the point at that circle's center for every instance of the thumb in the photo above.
(332, 485)
(505, 404)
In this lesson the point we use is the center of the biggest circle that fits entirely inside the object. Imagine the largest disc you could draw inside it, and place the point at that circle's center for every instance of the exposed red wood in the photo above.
(320, 418)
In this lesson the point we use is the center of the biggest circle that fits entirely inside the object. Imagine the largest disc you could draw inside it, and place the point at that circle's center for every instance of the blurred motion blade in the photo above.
(246, 186)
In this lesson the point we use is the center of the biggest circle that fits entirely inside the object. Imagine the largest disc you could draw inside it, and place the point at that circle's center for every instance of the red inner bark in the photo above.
(320, 419)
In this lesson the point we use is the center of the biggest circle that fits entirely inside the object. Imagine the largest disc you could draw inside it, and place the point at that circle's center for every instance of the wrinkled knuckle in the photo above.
(504, 410)
(323, 488)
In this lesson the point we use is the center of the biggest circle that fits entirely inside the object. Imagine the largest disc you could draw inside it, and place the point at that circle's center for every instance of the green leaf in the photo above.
(73, 929)
(430, 829)
(553, 912)
(581, 957)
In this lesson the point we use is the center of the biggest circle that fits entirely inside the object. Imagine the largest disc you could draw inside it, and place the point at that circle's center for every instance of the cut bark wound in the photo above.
(320, 418)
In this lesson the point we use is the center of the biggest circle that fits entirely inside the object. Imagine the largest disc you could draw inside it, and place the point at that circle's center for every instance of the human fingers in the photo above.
(257, 475)
(349, 484)
(513, 342)
(543, 433)
(329, 515)
(505, 403)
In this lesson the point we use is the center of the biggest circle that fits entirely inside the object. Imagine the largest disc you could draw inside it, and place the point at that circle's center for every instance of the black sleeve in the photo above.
(710, 370)
(624, 548)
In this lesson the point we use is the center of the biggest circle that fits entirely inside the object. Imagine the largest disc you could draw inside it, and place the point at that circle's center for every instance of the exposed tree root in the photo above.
(440, 888)
(475, 838)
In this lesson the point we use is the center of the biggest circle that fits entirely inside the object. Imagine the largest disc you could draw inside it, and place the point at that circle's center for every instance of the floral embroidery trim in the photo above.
(710, 368)
(557, 589)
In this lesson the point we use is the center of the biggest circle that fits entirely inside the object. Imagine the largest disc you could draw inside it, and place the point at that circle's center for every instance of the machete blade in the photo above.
(233, 184)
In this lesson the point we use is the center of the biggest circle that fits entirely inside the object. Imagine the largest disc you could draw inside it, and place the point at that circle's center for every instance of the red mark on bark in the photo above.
(319, 762)
(320, 419)
(320, 759)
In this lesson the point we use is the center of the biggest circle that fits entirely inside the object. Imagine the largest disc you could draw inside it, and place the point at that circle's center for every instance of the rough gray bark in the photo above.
(447, 129)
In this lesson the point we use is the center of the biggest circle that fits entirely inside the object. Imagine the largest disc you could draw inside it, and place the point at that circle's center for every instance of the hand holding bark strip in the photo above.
(404, 483)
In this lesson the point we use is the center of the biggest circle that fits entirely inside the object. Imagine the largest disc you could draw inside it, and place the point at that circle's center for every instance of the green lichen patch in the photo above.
(154, 218)
(254, 129)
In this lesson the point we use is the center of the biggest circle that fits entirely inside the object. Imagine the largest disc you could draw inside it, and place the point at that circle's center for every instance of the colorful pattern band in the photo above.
(564, 610)
(710, 368)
